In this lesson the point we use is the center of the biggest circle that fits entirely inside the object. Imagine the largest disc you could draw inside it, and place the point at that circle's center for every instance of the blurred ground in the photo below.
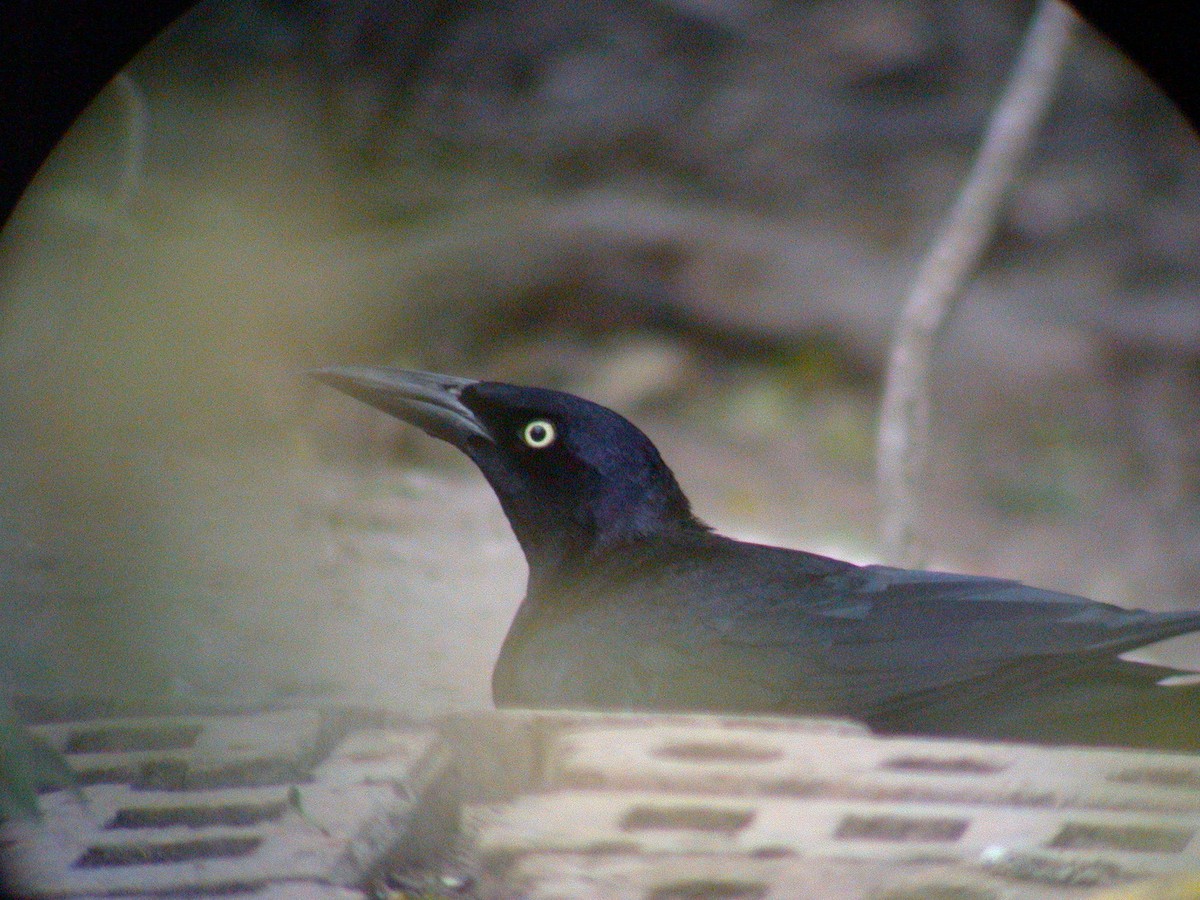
(701, 214)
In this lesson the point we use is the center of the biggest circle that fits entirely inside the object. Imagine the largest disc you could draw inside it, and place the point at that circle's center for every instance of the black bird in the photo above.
(634, 603)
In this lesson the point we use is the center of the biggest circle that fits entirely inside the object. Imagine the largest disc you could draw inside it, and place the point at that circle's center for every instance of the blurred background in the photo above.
(702, 213)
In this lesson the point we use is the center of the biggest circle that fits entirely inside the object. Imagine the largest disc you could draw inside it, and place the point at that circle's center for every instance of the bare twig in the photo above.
(904, 415)
(137, 117)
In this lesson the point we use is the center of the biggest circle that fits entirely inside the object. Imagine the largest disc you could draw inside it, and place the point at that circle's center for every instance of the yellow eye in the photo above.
(538, 434)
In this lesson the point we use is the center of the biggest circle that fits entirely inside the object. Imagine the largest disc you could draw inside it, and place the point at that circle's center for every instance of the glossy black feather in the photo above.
(633, 603)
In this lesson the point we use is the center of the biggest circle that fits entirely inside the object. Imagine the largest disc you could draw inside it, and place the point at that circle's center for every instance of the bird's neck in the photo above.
(577, 526)
(555, 558)
(562, 564)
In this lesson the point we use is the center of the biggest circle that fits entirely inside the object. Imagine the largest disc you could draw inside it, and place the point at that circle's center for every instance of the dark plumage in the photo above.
(633, 603)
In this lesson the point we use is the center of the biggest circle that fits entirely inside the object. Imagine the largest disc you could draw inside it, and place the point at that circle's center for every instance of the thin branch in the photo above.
(943, 273)
(137, 117)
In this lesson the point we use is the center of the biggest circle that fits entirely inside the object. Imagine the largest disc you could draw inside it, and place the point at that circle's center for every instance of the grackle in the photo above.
(634, 603)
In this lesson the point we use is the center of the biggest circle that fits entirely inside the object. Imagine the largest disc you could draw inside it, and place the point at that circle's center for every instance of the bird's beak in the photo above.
(429, 401)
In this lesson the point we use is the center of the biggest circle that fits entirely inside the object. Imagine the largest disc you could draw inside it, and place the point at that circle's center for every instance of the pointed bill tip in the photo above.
(425, 399)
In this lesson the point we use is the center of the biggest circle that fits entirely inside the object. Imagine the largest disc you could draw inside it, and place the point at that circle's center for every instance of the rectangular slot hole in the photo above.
(709, 889)
(1186, 779)
(958, 765)
(686, 818)
(226, 814)
(104, 775)
(173, 852)
(129, 738)
(901, 828)
(719, 752)
(169, 774)
(1127, 838)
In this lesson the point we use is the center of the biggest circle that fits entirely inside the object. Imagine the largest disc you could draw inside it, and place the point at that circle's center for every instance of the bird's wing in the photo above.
(874, 634)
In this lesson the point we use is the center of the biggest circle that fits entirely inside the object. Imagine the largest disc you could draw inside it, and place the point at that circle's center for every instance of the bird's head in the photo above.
(574, 478)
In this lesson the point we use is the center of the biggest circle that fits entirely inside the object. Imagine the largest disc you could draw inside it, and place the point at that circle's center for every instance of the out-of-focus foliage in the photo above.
(27, 765)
